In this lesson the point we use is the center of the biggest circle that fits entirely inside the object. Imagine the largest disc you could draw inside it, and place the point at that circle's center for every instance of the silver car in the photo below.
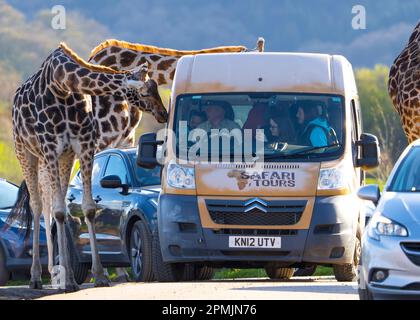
(390, 263)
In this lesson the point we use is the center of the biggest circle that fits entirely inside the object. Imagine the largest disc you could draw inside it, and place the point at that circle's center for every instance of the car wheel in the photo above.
(165, 272)
(4, 273)
(279, 273)
(80, 270)
(348, 272)
(141, 253)
(305, 272)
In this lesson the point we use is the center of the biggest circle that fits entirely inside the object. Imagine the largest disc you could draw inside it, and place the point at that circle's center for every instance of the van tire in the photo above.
(145, 240)
(197, 273)
(279, 273)
(165, 272)
(348, 272)
(204, 273)
(80, 270)
(4, 273)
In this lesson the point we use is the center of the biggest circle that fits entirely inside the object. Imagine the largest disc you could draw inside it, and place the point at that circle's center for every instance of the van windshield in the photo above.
(274, 126)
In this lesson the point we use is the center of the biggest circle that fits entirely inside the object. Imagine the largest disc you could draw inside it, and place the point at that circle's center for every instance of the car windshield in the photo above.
(8, 195)
(146, 177)
(264, 125)
(407, 178)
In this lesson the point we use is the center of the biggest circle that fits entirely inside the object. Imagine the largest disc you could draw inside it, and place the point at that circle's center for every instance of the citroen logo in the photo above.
(256, 203)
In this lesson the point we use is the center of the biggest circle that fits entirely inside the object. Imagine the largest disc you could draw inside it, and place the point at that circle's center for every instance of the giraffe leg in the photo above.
(65, 166)
(46, 196)
(58, 210)
(29, 165)
(89, 210)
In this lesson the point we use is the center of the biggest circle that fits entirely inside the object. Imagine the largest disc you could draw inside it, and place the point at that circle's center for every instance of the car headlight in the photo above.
(180, 177)
(332, 178)
(382, 226)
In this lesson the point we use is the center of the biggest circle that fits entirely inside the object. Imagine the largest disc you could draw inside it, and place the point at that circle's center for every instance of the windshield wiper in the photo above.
(309, 150)
(300, 152)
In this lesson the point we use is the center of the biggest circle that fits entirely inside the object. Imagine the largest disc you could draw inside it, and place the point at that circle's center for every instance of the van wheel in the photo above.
(165, 272)
(140, 250)
(4, 273)
(80, 270)
(197, 273)
(204, 273)
(348, 272)
(279, 273)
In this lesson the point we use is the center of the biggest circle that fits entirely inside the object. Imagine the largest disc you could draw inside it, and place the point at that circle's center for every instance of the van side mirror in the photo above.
(370, 192)
(147, 151)
(369, 152)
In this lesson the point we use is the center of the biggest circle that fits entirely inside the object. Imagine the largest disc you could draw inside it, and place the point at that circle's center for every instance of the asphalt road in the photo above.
(323, 288)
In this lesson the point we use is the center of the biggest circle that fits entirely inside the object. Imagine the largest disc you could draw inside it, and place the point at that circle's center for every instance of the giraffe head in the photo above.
(146, 97)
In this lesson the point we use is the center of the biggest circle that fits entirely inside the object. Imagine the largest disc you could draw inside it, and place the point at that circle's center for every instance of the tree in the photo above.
(380, 117)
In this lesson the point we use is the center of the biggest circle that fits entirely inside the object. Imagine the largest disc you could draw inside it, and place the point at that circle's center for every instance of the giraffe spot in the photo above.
(127, 58)
(83, 72)
(109, 61)
(99, 56)
(161, 79)
(165, 64)
(115, 49)
(71, 67)
(106, 127)
(114, 122)
(172, 74)
(154, 57)
(59, 74)
(60, 128)
(74, 128)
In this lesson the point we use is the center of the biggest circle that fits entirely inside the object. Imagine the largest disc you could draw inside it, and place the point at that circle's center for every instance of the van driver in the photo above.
(216, 117)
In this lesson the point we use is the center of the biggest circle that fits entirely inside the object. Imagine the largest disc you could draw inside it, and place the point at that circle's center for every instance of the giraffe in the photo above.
(53, 123)
(111, 112)
(404, 86)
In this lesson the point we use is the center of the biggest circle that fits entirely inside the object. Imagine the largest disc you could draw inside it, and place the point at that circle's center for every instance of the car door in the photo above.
(111, 204)
(74, 204)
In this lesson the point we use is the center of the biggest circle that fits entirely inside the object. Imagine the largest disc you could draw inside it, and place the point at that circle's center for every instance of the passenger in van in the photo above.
(196, 118)
(315, 129)
(281, 129)
(216, 112)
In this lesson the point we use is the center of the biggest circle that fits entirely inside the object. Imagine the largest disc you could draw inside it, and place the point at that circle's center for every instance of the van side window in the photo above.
(98, 165)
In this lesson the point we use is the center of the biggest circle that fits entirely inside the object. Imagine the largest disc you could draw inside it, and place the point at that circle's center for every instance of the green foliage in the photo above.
(380, 117)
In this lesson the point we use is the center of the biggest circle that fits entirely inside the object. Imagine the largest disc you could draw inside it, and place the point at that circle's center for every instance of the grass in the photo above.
(260, 273)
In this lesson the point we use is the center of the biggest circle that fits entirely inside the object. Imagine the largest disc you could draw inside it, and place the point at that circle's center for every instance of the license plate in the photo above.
(254, 242)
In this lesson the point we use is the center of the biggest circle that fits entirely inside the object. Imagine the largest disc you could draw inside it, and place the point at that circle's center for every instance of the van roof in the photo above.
(264, 72)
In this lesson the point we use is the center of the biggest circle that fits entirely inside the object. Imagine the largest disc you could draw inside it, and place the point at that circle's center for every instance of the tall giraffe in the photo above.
(53, 122)
(404, 86)
(122, 55)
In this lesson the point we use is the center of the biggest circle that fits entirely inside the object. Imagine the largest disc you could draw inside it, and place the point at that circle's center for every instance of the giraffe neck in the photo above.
(162, 62)
(71, 74)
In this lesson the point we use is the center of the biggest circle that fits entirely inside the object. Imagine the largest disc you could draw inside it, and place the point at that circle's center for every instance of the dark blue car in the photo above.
(126, 197)
(15, 250)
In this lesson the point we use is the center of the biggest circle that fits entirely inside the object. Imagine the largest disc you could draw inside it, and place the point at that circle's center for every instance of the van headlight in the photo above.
(332, 178)
(180, 177)
(382, 226)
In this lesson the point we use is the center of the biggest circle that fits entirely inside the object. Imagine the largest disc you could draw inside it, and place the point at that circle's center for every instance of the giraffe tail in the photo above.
(21, 213)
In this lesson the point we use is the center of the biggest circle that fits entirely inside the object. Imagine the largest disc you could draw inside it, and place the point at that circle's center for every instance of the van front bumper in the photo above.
(329, 240)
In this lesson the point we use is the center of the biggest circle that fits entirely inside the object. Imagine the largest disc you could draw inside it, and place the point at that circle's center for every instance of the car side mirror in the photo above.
(147, 151)
(113, 182)
(369, 152)
(370, 192)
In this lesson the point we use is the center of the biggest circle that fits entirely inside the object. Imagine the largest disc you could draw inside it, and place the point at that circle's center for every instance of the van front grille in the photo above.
(256, 212)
